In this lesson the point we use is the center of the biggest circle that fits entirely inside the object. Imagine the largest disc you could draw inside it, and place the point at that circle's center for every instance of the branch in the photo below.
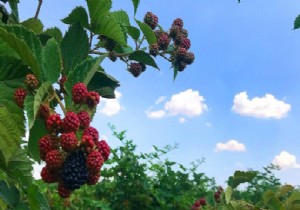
(59, 101)
(38, 9)
(102, 53)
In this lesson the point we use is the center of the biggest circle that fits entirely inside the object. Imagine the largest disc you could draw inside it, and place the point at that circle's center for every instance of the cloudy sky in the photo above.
(238, 105)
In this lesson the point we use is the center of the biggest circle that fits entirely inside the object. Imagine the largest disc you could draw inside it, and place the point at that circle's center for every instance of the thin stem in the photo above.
(140, 43)
(38, 9)
(91, 38)
(59, 101)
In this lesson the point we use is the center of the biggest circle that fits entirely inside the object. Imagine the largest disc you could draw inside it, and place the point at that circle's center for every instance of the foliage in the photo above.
(138, 181)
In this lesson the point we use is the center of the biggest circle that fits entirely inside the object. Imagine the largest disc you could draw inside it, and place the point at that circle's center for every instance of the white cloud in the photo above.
(160, 100)
(231, 145)
(264, 107)
(189, 103)
(286, 160)
(156, 114)
(182, 120)
(111, 106)
(208, 124)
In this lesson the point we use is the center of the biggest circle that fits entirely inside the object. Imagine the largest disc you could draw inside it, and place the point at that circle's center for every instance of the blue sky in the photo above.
(237, 105)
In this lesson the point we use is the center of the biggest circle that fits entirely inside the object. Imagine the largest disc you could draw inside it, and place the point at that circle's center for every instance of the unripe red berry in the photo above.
(47, 144)
(49, 176)
(174, 31)
(135, 69)
(104, 149)
(185, 43)
(197, 203)
(151, 20)
(92, 99)
(93, 178)
(79, 93)
(88, 141)
(61, 82)
(68, 141)
(44, 111)
(178, 22)
(53, 123)
(84, 119)
(202, 201)
(54, 159)
(70, 123)
(181, 66)
(189, 58)
(94, 161)
(154, 50)
(20, 95)
(180, 53)
(163, 41)
(63, 191)
(31, 81)
(92, 132)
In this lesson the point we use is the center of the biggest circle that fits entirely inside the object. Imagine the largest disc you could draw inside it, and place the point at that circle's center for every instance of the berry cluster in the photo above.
(31, 84)
(198, 204)
(71, 149)
(175, 42)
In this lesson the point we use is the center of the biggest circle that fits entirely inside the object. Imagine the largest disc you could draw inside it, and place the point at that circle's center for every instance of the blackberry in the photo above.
(174, 31)
(20, 95)
(84, 119)
(151, 20)
(189, 58)
(70, 123)
(79, 93)
(92, 99)
(91, 131)
(135, 69)
(74, 172)
(31, 81)
(154, 50)
(163, 41)
(178, 22)
(185, 43)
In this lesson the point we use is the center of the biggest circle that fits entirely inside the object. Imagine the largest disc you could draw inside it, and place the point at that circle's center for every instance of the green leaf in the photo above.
(14, 10)
(121, 17)
(7, 51)
(297, 23)
(29, 52)
(55, 33)
(9, 194)
(20, 167)
(143, 57)
(74, 47)
(34, 24)
(110, 28)
(79, 15)
(228, 194)
(32, 103)
(147, 31)
(36, 199)
(294, 197)
(11, 119)
(133, 32)
(11, 68)
(35, 133)
(240, 177)
(102, 22)
(104, 84)
(51, 61)
(176, 66)
(84, 72)
(98, 9)
(135, 5)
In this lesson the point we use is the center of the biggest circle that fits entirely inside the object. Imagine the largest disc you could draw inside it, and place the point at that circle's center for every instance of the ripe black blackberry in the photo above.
(74, 172)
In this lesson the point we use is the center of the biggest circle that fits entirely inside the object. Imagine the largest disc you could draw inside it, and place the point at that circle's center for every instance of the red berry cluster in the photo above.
(20, 94)
(136, 68)
(72, 150)
(198, 204)
(175, 42)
